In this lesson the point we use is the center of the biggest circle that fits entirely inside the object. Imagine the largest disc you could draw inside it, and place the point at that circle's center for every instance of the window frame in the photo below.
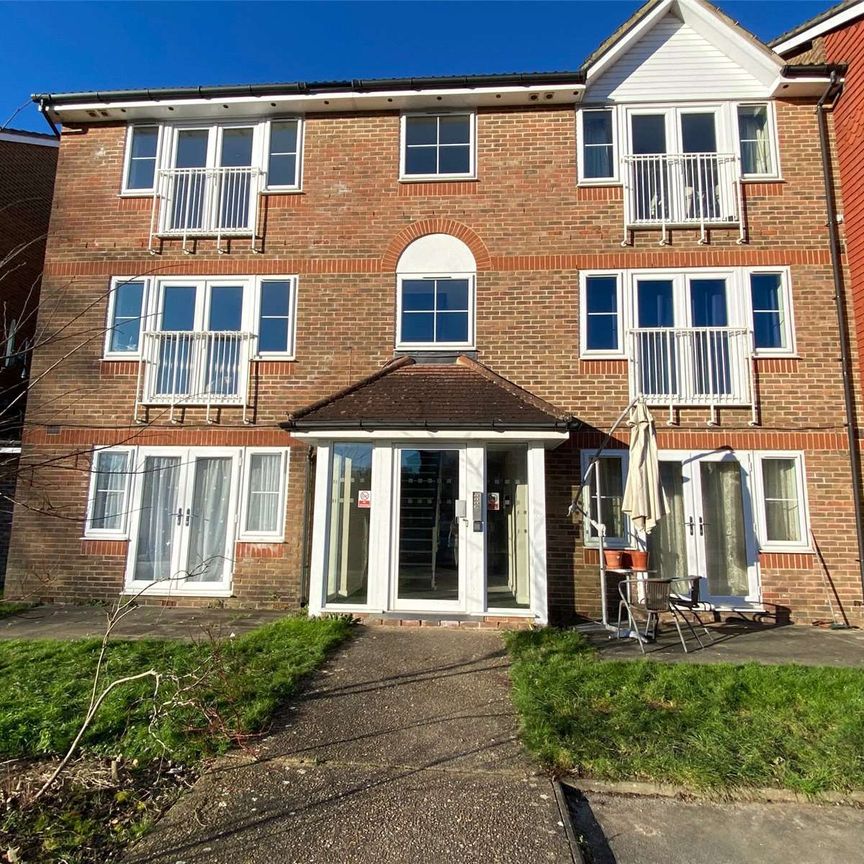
(121, 533)
(107, 352)
(125, 190)
(277, 536)
(588, 541)
(766, 545)
(788, 328)
(773, 140)
(275, 188)
(601, 354)
(471, 114)
(615, 178)
(291, 352)
(470, 344)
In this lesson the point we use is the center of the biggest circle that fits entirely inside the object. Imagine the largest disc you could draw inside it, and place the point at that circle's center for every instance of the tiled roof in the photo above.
(406, 394)
(812, 22)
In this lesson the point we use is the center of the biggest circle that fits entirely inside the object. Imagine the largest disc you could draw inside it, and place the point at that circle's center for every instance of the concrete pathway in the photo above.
(405, 750)
(636, 829)
(146, 622)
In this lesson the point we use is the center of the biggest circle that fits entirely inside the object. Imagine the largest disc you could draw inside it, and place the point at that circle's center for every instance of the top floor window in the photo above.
(598, 144)
(438, 146)
(188, 156)
(756, 139)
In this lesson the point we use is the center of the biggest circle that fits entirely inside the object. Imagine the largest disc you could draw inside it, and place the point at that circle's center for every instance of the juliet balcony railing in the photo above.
(684, 190)
(194, 368)
(693, 366)
(189, 203)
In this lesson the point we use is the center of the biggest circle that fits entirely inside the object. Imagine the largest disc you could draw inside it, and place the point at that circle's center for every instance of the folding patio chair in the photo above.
(651, 598)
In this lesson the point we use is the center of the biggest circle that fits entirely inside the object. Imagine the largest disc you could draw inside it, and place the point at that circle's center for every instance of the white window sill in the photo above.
(282, 190)
(786, 550)
(435, 178)
(602, 356)
(762, 354)
(136, 193)
(112, 536)
(261, 539)
(176, 589)
(131, 355)
(287, 358)
(600, 181)
(434, 346)
(762, 178)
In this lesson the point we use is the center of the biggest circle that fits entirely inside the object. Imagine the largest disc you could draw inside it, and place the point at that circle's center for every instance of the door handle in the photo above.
(188, 514)
(179, 515)
(701, 527)
(689, 523)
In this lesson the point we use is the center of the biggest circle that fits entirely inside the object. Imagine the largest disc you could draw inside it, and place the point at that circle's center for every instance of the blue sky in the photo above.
(61, 46)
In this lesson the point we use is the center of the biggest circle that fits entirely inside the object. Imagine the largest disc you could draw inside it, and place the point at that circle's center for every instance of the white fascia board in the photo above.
(844, 16)
(24, 138)
(548, 437)
(785, 88)
(258, 106)
(623, 44)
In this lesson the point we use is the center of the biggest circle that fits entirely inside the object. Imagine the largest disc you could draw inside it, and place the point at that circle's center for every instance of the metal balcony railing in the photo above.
(684, 366)
(205, 202)
(666, 190)
(194, 368)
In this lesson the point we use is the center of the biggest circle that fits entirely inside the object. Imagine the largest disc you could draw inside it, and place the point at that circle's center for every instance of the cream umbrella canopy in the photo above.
(644, 500)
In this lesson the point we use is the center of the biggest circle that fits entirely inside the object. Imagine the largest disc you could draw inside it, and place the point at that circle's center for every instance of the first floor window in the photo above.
(109, 491)
(605, 498)
(275, 314)
(782, 500)
(143, 144)
(264, 494)
(598, 144)
(601, 313)
(435, 312)
(754, 132)
(769, 311)
(438, 145)
(124, 325)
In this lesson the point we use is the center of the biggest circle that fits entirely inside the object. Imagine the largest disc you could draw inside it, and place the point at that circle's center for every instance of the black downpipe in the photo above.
(308, 510)
(842, 318)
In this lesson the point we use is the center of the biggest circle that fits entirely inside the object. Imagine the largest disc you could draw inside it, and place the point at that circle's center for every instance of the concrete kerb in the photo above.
(739, 796)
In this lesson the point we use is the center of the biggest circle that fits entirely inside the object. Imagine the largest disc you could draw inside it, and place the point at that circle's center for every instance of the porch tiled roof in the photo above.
(407, 394)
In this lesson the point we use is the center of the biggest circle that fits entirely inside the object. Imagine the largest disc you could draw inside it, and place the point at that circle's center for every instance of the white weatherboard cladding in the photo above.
(672, 62)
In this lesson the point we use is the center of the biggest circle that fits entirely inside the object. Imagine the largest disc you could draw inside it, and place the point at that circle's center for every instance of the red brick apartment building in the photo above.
(28, 161)
(352, 344)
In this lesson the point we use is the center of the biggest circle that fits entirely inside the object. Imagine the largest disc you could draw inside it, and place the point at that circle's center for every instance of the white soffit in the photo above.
(683, 50)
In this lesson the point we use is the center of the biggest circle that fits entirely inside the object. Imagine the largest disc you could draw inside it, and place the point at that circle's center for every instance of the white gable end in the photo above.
(673, 62)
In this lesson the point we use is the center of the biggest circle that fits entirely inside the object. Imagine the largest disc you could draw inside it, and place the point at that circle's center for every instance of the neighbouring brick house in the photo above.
(28, 161)
(355, 343)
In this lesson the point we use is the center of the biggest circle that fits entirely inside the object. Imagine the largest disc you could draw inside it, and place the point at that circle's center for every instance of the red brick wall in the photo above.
(532, 230)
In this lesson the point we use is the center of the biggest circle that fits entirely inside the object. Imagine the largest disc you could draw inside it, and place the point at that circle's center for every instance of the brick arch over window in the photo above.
(436, 226)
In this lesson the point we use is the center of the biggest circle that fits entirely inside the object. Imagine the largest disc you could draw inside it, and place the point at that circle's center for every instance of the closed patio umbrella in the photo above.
(644, 499)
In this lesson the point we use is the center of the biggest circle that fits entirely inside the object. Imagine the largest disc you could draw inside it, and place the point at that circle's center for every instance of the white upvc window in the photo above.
(111, 476)
(265, 482)
(141, 159)
(601, 327)
(264, 306)
(782, 501)
(273, 148)
(612, 303)
(435, 311)
(603, 497)
(438, 146)
(757, 140)
(597, 137)
(127, 312)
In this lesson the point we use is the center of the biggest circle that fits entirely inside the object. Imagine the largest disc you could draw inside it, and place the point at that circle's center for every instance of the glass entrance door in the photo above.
(708, 532)
(430, 548)
(184, 530)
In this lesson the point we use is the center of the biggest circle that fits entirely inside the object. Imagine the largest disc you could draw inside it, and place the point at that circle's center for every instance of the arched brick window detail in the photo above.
(436, 226)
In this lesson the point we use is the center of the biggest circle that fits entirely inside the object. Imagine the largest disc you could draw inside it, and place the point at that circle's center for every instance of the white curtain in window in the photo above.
(156, 518)
(109, 499)
(782, 517)
(755, 145)
(262, 507)
(208, 520)
(725, 539)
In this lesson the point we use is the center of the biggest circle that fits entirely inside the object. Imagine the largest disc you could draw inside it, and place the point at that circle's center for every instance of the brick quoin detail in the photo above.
(436, 226)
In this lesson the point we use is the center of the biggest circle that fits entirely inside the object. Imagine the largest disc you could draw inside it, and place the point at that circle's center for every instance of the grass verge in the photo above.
(213, 695)
(716, 727)
(13, 607)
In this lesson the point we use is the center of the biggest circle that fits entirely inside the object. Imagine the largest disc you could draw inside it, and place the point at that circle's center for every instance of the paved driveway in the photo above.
(405, 750)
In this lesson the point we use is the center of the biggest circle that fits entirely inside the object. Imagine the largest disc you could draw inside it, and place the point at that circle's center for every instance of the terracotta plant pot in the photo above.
(614, 558)
(638, 558)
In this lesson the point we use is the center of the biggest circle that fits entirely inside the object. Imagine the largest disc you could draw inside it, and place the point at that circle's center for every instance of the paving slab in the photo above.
(145, 622)
(631, 829)
(404, 749)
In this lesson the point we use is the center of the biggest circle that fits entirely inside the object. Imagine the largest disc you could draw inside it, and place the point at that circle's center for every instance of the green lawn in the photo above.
(717, 726)
(228, 689)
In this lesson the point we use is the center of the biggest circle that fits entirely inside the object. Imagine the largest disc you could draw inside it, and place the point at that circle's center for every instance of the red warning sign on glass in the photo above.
(364, 499)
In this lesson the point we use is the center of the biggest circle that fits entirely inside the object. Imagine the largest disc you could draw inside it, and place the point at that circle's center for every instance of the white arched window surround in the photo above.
(435, 294)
